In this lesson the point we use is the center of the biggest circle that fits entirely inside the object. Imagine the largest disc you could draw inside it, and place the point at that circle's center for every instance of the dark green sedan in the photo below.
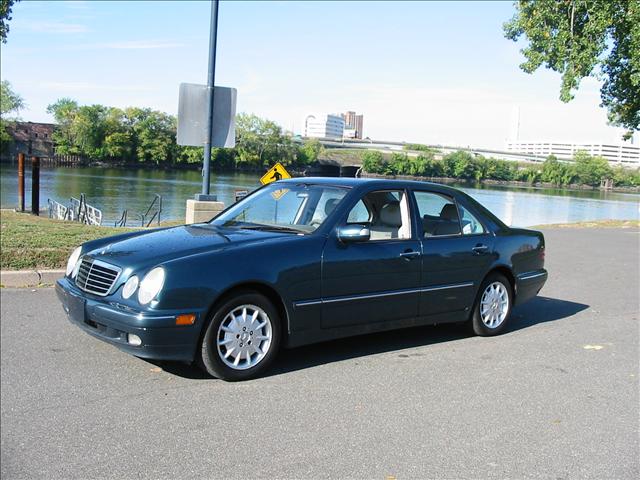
(300, 261)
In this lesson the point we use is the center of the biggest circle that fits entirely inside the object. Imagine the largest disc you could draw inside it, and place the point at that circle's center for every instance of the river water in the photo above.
(114, 190)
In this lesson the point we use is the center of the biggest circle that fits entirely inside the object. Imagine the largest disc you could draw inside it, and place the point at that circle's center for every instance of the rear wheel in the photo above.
(493, 306)
(242, 338)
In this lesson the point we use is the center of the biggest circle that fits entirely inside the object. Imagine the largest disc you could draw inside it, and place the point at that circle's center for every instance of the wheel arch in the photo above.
(508, 273)
(259, 287)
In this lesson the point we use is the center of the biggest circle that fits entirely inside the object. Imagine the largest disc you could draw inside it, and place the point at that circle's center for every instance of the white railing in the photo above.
(78, 210)
(85, 213)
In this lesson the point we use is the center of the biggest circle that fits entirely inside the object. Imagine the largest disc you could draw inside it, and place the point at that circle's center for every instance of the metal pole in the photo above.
(21, 181)
(35, 185)
(213, 34)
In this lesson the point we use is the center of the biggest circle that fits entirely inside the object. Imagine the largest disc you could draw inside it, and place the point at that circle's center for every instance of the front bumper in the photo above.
(111, 322)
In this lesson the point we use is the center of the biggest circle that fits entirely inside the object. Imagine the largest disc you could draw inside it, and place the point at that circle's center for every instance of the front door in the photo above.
(376, 280)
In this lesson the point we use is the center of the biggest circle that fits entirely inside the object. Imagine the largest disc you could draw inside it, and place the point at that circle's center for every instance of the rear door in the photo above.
(457, 251)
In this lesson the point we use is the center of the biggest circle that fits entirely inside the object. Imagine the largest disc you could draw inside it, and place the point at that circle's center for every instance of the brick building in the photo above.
(30, 138)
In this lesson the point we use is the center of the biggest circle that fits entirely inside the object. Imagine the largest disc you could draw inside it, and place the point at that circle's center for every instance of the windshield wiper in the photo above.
(277, 228)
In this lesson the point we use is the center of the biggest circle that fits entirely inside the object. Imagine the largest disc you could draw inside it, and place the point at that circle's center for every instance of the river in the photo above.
(114, 190)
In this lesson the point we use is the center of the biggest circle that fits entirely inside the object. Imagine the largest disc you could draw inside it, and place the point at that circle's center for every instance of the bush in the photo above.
(373, 161)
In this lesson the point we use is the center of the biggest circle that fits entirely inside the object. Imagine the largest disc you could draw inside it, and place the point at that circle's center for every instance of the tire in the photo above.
(242, 338)
(493, 305)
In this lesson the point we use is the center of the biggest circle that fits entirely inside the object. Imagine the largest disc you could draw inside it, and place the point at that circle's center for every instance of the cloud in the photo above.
(55, 27)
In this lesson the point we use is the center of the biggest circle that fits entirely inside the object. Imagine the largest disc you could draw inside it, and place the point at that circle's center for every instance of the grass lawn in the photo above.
(28, 242)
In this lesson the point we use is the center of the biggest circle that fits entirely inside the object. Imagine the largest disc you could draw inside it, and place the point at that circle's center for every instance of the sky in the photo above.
(432, 72)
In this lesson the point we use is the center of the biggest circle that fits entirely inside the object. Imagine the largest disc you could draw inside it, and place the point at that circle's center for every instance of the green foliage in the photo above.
(261, 143)
(419, 147)
(580, 38)
(556, 172)
(373, 161)
(10, 103)
(585, 170)
(5, 16)
(149, 136)
(591, 170)
(310, 152)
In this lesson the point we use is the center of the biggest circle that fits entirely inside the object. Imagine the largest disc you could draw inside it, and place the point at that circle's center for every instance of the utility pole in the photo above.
(213, 34)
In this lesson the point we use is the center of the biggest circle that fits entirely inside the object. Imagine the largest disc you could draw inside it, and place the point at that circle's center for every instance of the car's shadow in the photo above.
(537, 311)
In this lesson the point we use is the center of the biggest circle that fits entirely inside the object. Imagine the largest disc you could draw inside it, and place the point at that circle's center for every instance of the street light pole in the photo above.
(213, 34)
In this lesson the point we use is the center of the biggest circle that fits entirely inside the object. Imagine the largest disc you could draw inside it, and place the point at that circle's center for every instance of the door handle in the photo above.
(409, 255)
(480, 249)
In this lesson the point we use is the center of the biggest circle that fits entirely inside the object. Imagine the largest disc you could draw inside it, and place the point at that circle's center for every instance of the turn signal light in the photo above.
(187, 319)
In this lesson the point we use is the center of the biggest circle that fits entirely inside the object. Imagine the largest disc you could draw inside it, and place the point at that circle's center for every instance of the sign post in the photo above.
(213, 35)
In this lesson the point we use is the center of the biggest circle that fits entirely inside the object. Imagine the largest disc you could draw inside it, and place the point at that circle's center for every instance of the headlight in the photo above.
(73, 260)
(130, 287)
(151, 285)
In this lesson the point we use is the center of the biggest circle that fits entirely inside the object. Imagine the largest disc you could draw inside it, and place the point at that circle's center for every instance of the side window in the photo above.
(438, 214)
(470, 224)
(359, 214)
(326, 204)
(386, 212)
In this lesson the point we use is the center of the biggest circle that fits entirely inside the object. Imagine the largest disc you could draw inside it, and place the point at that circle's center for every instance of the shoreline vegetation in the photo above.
(141, 137)
(30, 242)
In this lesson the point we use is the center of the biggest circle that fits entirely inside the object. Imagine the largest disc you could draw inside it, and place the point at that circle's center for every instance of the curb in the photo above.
(29, 278)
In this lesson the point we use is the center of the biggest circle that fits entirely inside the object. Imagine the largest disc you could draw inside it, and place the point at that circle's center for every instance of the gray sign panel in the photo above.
(192, 116)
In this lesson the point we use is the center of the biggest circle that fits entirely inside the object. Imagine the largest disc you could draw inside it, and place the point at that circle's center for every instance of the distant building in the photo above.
(624, 154)
(30, 138)
(324, 126)
(353, 122)
(350, 133)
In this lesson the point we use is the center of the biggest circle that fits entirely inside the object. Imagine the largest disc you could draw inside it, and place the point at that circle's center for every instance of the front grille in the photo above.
(96, 277)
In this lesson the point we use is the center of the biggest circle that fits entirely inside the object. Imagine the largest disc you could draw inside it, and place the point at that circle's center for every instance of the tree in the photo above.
(260, 142)
(64, 112)
(5, 16)
(154, 133)
(581, 38)
(310, 151)
(373, 161)
(591, 170)
(10, 103)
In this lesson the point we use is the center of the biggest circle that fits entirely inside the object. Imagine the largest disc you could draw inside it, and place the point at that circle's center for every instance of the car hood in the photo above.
(158, 246)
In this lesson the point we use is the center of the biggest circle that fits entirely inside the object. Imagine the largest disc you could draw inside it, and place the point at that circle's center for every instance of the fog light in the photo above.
(134, 340)
(188, 319)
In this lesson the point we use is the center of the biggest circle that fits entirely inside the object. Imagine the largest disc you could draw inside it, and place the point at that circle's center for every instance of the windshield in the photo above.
(297, 208)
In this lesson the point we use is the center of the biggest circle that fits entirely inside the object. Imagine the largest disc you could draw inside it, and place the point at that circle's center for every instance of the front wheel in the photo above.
(242, 338)
(493, 306)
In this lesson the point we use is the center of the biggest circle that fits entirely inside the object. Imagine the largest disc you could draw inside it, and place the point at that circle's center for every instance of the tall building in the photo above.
(324, 126)
(352, 124)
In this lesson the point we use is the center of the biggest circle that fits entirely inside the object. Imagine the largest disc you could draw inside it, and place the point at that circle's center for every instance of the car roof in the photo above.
(358, 182)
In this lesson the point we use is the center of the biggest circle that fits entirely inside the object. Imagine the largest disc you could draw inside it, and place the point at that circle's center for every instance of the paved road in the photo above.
(555, 397)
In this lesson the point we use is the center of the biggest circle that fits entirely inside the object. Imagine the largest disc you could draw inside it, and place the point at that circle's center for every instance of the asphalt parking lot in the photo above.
(555, 397)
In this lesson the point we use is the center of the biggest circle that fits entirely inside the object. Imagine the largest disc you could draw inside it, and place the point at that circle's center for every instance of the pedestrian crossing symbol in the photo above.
(275, 173)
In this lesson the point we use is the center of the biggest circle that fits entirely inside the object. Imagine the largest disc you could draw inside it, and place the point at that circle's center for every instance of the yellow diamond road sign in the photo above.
(275, 173)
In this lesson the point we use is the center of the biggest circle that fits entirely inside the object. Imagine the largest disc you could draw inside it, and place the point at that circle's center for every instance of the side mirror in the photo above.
(353, 233)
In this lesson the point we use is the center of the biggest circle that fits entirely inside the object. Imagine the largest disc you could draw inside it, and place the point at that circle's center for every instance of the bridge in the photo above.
(391, 147)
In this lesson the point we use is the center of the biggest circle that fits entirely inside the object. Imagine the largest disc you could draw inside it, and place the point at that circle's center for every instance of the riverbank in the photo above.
(302, 171)
(29, 243)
